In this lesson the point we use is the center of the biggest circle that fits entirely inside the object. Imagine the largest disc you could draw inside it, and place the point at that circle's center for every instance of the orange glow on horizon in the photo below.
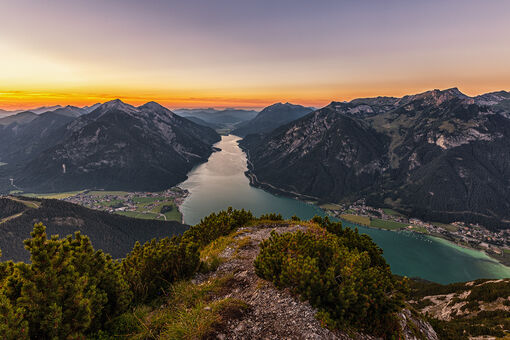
(319, 97)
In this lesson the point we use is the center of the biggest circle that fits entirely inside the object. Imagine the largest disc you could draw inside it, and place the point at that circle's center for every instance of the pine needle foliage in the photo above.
(338, 274)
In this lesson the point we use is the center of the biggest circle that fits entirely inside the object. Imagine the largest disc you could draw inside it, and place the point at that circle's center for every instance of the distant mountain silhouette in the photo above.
(272, 117)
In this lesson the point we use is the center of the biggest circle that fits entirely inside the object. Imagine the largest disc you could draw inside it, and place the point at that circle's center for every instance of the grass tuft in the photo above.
(190, 312)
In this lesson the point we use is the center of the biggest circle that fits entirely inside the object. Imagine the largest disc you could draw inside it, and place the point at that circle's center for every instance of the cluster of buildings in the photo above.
(473, 235)
(126, 201)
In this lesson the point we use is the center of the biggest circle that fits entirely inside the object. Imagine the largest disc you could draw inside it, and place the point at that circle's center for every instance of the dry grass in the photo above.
(191, 311)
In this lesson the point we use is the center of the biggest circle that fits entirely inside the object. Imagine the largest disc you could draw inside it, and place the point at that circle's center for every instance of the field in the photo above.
(384, 224)
(102, 193)
(362, 220)
(448, 227)
(420, 229)
(132, 204)
(391, 212)
(30, 204)
(56, 196)
(330, 206)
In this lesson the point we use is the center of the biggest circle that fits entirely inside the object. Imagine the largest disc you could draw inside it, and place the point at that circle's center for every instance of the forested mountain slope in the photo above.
(112, 233)
(116, 146)
(439, 155)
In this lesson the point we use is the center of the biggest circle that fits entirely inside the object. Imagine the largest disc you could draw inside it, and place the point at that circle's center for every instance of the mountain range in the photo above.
(439, 155)
(5, 113)
(271, 117)
(227, 118)
(116, 146)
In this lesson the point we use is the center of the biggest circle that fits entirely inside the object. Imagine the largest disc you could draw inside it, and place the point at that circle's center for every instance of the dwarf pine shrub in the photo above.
(347, 286)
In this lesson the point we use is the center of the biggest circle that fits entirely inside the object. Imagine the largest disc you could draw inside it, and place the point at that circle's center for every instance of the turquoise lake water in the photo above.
(221, 182)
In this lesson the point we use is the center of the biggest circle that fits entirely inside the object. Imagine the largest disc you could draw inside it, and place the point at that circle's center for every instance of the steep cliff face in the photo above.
(118, 146)
(302, 152)
(439, 154)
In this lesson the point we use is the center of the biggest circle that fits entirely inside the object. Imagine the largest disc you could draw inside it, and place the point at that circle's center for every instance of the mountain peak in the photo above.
(117, 104)
(282, 105)
(436, 96)
(114, 102)
(152, 105)
(155, 108)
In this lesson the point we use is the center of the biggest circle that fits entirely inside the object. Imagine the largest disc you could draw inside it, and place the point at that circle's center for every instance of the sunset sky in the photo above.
(241, 53)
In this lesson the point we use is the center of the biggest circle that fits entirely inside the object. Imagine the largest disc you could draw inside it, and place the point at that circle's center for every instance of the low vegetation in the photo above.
(339, 272)
(190, 312)
(69, 290)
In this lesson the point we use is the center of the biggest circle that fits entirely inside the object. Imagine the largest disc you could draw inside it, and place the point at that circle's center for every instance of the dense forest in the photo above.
(112, 233)
(9, 207)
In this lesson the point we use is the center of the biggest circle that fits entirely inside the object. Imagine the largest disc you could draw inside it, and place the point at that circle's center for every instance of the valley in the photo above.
(221, 182)
(409, 245)
(115, 218)
(97, 153)
(266, 170)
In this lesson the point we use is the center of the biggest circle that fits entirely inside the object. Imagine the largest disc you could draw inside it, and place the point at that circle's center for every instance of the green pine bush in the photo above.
(345, 283)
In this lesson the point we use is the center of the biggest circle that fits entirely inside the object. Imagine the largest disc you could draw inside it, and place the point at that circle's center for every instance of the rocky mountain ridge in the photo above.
(438, 155)
(116, 146)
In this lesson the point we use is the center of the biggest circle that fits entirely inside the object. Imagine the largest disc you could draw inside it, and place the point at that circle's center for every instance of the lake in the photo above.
(221, 182)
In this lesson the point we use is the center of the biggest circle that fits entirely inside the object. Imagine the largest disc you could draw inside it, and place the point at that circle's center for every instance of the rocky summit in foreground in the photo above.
(235, 276)
(438, 155)
(273, 313)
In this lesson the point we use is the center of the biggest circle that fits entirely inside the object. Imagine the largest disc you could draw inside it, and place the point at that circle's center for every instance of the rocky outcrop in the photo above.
(276, 313)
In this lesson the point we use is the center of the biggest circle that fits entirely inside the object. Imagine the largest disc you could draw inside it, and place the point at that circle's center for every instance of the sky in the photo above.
(240, 53)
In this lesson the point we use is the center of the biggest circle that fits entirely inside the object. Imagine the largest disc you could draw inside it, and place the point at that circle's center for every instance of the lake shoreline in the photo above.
(226, 180)
(316, 201)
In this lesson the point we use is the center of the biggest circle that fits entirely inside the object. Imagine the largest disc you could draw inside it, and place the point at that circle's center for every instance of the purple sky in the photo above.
(248, 53)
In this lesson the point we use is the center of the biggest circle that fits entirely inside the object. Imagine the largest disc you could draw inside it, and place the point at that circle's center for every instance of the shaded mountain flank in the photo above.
(438, 155)
(116, 146)
(271, 118)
